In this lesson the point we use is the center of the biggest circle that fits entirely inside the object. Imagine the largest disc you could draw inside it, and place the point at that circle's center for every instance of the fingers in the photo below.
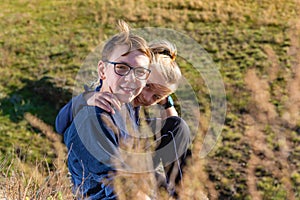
(105, 100)
(111, 100)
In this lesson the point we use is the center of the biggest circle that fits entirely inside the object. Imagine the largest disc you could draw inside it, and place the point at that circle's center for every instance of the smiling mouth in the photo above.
(127, 89)
(141, 100)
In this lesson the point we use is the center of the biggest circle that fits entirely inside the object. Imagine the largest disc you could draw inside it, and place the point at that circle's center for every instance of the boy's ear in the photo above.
(101, 70)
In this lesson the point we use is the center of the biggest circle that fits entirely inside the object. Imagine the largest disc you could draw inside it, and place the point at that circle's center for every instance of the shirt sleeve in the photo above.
(91, 147)
(68, 112)
(89, 132)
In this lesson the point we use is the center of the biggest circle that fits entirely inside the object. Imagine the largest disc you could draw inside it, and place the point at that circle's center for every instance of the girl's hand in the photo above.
(105, 100)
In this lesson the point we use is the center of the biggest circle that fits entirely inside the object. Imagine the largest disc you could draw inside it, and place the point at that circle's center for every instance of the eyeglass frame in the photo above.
(131, 68)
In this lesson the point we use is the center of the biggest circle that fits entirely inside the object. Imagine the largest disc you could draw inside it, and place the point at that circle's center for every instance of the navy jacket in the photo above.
(92, 141)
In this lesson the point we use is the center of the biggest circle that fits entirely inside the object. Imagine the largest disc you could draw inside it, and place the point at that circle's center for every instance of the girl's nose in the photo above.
(148, 98)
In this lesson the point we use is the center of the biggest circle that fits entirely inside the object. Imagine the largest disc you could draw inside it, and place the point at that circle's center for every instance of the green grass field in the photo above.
(255, 45)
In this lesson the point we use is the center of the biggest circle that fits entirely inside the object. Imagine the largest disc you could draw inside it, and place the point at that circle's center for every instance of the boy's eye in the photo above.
(140, 71)
(122, 69)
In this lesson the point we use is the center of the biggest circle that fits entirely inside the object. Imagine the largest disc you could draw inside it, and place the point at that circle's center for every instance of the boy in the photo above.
(91, 143)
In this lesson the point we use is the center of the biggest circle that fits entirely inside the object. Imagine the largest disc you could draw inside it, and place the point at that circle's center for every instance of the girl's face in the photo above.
(155, 90)
(151, 94)
(127, 87)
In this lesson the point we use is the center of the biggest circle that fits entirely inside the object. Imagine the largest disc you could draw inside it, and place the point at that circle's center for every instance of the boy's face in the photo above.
(127, 87)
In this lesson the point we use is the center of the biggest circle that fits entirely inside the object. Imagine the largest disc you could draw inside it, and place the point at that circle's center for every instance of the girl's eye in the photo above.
(156, 97)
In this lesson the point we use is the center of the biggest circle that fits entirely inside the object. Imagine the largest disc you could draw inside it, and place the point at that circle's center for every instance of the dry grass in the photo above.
(262, 108)
(37, 183)
(135, 177)
(23, 181)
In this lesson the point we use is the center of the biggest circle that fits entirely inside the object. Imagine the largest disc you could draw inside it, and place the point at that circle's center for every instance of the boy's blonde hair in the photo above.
(125, 37)
(164, 60)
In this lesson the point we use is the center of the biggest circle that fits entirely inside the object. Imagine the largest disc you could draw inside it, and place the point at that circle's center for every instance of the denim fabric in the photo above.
(65, 115)
(91, 143)
(69, 111)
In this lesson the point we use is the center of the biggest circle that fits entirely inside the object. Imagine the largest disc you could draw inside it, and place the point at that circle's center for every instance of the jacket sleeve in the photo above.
(68, 112)
(90, 152)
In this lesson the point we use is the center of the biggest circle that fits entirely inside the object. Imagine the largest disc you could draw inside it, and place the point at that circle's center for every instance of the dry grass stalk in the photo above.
(135, 177)
(20, 184)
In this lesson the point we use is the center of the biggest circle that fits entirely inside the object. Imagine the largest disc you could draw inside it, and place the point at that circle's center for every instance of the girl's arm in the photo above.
(104, 100)
(168, 109)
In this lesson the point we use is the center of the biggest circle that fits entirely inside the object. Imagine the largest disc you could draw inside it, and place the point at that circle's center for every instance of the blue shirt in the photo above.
(92, 142)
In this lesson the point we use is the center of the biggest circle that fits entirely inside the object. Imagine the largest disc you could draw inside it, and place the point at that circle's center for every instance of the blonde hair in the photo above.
(125, 37)
(164, 60)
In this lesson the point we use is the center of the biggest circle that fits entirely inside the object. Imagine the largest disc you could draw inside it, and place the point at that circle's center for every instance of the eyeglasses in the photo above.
(123, 69)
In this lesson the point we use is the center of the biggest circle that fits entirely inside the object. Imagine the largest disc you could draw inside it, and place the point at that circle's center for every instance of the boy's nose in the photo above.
(130, 76)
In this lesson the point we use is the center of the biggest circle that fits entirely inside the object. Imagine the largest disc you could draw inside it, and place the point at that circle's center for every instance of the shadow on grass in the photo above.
(42, 98)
